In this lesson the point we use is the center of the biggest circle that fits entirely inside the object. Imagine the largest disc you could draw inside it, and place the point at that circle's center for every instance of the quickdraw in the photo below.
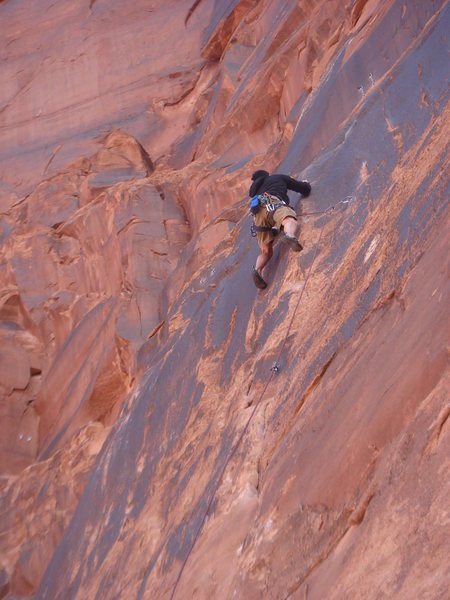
(271, 203)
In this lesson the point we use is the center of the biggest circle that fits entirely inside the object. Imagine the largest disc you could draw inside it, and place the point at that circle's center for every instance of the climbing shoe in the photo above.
(292, 242)
(259, 281)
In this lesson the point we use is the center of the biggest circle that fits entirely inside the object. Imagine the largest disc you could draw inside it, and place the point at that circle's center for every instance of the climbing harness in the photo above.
(275, 369)
(267, 201)
(254, 229)
(272, 203)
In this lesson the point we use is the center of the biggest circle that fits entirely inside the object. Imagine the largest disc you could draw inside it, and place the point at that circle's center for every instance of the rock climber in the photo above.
(272, 215)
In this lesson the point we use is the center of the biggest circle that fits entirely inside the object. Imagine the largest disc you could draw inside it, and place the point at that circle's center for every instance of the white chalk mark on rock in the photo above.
(371, 249)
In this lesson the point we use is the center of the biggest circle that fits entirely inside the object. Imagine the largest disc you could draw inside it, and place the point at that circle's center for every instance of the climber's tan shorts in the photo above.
(263, 219)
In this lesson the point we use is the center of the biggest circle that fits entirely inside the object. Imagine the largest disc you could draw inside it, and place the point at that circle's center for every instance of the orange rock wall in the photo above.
(134, 346)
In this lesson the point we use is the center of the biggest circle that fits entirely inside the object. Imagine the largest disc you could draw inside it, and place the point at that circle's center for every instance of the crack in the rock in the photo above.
(322, 558)
(185, 94)
(358, 516)
(58, 148)
(443, 422)
(300, 405)
(355, 521)
(191, 11)
(155, 329)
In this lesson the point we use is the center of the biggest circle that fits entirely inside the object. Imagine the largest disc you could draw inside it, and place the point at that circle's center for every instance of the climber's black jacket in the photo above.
(277, 185)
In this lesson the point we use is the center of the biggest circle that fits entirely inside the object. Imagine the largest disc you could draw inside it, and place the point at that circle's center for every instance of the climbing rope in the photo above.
(274, 369)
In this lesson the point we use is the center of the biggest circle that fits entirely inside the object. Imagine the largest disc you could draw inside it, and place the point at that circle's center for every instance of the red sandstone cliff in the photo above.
(134, 345)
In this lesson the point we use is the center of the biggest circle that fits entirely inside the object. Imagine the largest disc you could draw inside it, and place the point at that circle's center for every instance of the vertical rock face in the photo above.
(147, 449)
(86, 279)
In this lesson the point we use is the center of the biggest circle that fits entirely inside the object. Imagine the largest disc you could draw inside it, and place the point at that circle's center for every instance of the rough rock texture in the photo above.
(134, 346)
(85, 257)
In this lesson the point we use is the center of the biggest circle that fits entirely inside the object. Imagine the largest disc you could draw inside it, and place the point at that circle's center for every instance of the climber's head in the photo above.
(259, 174)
